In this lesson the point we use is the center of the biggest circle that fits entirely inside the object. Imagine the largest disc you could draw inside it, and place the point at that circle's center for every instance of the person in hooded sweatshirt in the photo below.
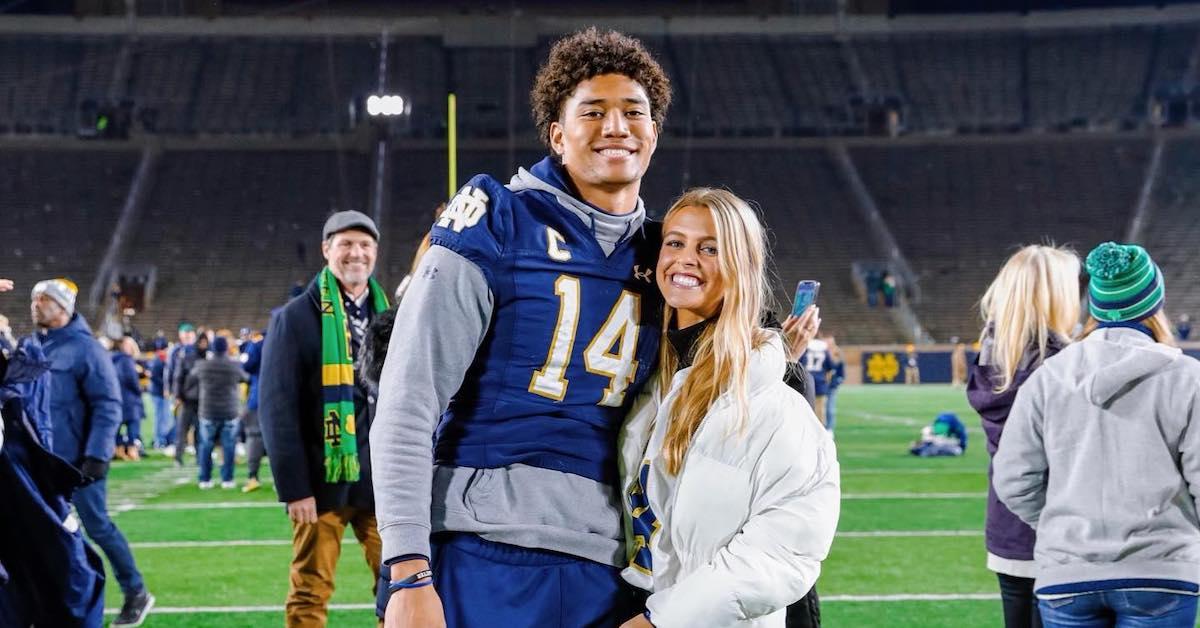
(1101, 456)
(1029, 312)
(718, 414)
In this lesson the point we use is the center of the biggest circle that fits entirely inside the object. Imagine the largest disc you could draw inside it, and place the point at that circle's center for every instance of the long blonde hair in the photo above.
(1158, 324)
(722, 353)
(1035, 295)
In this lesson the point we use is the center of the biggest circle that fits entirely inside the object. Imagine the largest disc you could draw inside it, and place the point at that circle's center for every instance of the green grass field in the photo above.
(909, 551)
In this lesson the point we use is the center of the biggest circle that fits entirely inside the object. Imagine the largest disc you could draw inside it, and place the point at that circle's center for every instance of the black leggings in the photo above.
(1020, 606)
(805, 613)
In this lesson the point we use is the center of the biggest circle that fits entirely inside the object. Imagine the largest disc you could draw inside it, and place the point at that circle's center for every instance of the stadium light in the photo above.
(386, 105)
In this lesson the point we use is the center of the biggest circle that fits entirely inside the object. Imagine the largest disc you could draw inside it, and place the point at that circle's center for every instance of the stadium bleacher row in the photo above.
(231, 230)
(726, 85)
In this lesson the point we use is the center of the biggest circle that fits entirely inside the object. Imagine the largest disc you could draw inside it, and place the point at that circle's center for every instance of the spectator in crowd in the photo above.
(218, 379)
(187, 403)
(836, 374)
(874, 283)
(887, 285)
(912, 365)
(1101, 455)
(164, 422)
(252, 365)
(545, 520)
(1183, 328)
(958, 362)
(1028, 312)
(129, 444)
(187, 341)
(759, 540)
(315, 414)
(85, 403)
(817, 362)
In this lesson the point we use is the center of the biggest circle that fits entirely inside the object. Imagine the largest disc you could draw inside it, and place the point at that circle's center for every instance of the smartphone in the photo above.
(806, 295)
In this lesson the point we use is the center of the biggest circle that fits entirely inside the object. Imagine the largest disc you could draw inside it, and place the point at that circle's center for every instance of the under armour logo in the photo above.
(430, 273)
(645, 275)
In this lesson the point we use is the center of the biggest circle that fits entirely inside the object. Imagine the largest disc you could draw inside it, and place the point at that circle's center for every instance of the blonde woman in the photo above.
(1028, 312)
(730, 481)
(1102, 456)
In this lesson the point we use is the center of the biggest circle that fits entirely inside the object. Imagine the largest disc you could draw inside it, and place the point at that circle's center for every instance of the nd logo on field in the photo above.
(882, 368)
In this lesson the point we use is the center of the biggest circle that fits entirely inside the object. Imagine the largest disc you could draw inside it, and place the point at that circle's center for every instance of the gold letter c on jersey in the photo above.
(553, 240)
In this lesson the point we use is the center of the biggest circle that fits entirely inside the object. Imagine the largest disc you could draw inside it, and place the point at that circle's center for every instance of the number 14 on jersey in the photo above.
(619, 332)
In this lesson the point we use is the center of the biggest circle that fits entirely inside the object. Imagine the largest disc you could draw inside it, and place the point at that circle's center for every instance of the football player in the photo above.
(525, 332)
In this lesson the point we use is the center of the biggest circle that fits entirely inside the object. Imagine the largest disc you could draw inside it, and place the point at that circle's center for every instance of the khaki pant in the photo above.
(315, 551)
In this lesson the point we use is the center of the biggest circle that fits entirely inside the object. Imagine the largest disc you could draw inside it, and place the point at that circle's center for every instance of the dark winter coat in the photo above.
(131, 389)
(290, 410)
(85, 399)
(1006, 535)
(217, 379)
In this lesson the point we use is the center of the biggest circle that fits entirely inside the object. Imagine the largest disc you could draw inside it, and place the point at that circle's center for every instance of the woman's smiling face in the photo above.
(689, 273)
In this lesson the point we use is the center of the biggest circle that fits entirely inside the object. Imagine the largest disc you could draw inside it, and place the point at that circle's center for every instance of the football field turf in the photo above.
(909, 550)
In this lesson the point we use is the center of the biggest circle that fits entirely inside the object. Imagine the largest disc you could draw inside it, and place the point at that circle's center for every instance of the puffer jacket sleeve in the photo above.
(776, 557)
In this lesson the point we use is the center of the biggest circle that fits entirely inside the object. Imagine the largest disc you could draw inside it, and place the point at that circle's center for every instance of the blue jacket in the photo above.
(55, 577)
(85, 400)
(158, 368)
(252, 366)
(27, 378)
(131, 388)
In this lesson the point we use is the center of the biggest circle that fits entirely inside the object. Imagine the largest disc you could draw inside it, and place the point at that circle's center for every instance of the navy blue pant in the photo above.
(93, 513)
(484, 584)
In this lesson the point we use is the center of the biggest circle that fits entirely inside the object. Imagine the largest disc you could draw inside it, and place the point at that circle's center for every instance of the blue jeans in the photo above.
(830, 409)
(1120, 609)
(93, 514)
(164, 422)
(210, 429)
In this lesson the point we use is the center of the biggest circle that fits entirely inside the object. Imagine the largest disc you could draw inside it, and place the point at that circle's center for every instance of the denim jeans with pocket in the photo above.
(210, 430)
(1120, 609)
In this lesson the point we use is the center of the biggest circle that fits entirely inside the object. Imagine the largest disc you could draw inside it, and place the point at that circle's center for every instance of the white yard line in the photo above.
(911, 597)
(899, 597)
(898, 534)
(874, 534)
(979, 495)
(134, 492)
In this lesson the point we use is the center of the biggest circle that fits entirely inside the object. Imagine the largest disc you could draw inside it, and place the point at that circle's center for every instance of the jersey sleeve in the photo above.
(476, 223)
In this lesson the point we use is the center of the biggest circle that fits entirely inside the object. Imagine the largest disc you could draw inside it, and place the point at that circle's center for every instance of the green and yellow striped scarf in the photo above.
(337, 378)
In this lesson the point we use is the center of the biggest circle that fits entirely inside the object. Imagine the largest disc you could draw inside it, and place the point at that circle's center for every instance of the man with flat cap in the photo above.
(315, 415)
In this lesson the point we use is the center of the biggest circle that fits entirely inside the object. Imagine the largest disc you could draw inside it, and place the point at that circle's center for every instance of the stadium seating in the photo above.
(1174, 225)
(957, 210)
(57, 216)
(231, 232)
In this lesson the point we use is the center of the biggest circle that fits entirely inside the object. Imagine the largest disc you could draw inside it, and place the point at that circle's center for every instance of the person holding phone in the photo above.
(718, 413)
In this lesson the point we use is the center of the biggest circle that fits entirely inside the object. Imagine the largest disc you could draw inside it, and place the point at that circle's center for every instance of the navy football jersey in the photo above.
(574, 333)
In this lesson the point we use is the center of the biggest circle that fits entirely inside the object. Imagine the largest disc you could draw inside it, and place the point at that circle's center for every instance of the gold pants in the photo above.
(315, 551)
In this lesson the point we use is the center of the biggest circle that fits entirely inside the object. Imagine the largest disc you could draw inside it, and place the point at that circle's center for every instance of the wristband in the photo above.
(411, 582)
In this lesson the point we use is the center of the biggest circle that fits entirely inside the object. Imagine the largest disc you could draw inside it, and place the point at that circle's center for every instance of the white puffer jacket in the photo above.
(743, 528)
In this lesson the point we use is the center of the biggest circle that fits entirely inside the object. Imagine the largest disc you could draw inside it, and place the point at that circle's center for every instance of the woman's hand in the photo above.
(6, 285)
(799, 330)
(638, 622)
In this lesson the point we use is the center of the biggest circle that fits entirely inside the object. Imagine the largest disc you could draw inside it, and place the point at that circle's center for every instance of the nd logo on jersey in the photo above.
(466, 209)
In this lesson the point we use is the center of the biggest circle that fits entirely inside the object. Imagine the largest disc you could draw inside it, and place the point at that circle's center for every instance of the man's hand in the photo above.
(415, 608)
(94, 469)
(6, 285)
(799, 330)
(638, 622)
(303, 510)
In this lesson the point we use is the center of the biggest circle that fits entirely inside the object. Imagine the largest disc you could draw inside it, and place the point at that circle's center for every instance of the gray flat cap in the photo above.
(350, 219)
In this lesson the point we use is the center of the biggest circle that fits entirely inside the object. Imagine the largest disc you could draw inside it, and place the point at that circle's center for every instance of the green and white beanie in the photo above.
(1125, 285)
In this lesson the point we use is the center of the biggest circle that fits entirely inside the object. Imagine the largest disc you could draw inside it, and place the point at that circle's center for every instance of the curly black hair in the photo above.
(590, 53)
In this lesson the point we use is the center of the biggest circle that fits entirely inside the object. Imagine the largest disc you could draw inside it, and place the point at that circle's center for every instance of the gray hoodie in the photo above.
(1101, 455)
